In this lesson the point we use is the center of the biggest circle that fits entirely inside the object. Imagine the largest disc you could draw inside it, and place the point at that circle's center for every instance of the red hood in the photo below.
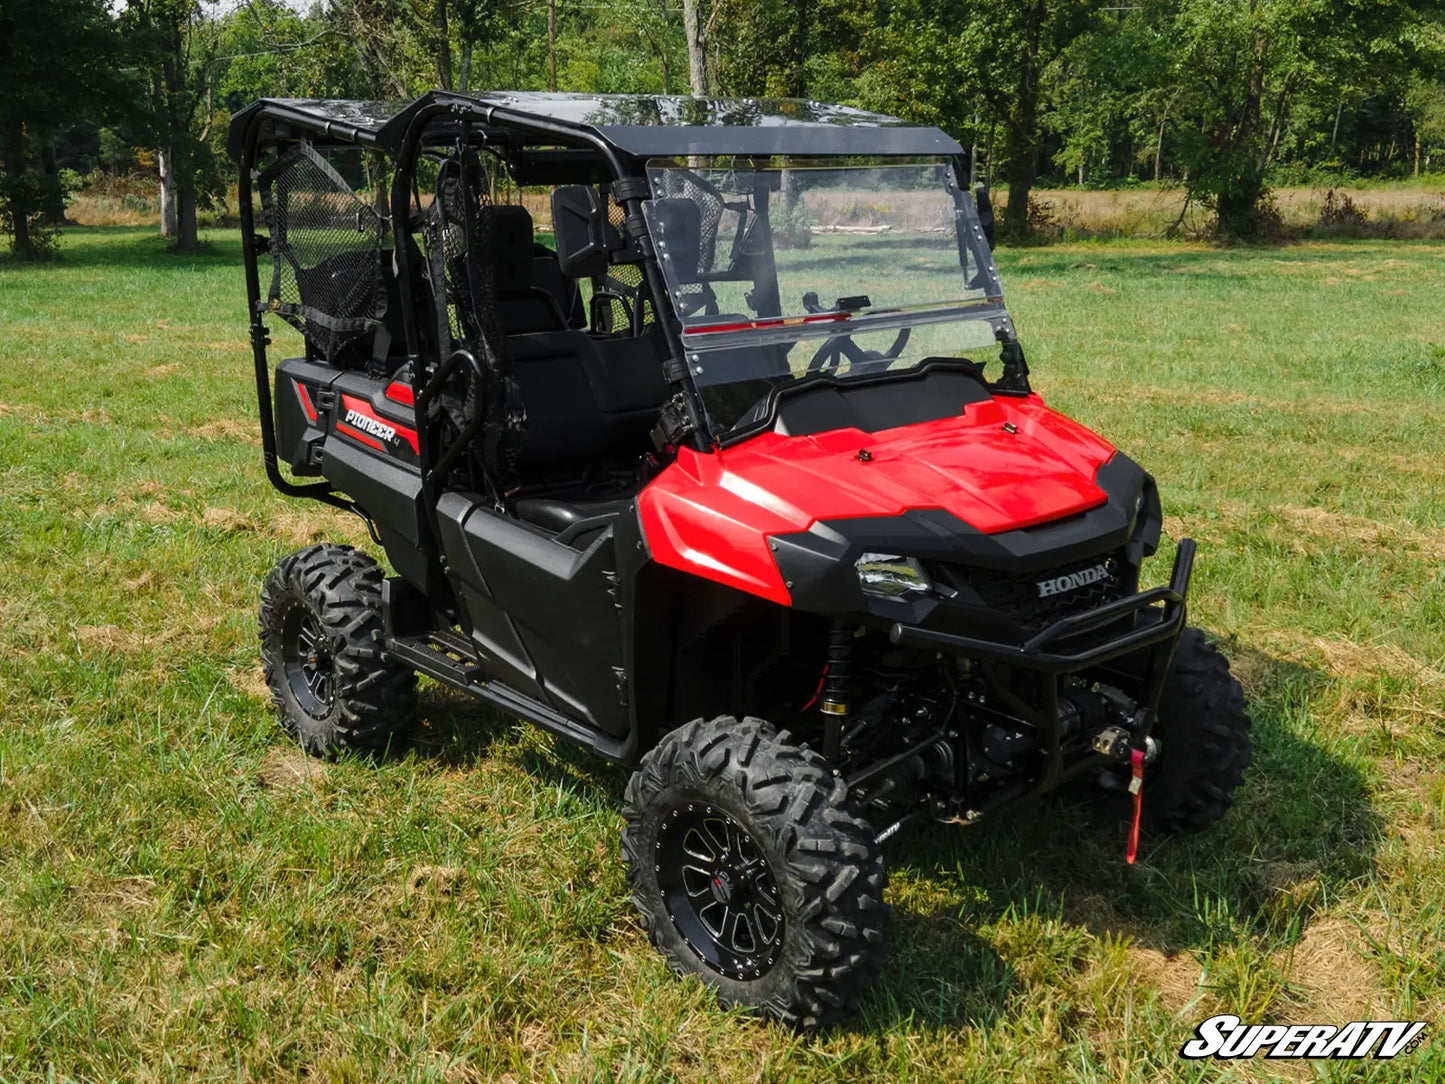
(711, 514)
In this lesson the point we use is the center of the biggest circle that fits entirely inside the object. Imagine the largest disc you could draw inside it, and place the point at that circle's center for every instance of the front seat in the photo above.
(523, 304)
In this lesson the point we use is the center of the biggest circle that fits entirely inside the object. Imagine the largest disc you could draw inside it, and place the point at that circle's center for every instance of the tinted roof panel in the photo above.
(636, 124)
(351, 120)
(647, 125)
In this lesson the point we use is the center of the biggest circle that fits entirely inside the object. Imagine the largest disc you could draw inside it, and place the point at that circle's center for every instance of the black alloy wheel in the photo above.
(719, 892)
(309, 664)
(753, 870)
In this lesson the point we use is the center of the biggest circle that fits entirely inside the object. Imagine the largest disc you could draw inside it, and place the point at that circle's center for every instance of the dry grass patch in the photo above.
(302, 527)
(251, 682)
(159, 514)
(1361, 530)
(436, 880)
(290, 768)
(229, 520)
(1350, 659)
(1177, 977)
(125, 894)
(1331, 968)
(227, 429)
(111, 638)
(144, 584)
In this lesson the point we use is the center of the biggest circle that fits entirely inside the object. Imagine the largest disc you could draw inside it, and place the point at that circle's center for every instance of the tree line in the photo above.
(1225, 97)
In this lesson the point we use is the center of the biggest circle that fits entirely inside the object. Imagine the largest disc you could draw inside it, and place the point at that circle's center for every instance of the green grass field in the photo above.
(184, 897)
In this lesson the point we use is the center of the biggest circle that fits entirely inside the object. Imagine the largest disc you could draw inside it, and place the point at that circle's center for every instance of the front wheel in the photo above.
(751, 870)
(1204, 742)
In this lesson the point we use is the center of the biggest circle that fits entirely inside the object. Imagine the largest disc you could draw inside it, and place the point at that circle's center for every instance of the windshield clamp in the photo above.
(629, 188)
(640, 241)
(675, 424)
(674, 370)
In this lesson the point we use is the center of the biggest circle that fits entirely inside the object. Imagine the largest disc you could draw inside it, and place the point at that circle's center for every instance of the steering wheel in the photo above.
(838, 348)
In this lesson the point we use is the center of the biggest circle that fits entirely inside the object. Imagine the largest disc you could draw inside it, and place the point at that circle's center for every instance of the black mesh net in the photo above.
(455, 238)
(625, 287)
(681, 183)
(459, 197)
(327, 252)
(715, 224)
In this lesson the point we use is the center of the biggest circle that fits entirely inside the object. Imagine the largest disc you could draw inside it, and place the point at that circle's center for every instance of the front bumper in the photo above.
(1059, 650)
(1036, 653)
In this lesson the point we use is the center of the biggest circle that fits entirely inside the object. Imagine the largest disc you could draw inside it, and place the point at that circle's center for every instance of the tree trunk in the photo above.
(798, 48)
(1236, 204)
(1020, 170)
(52, 198)
(552, 41)
(988, 165)
(443, 43)
(15, 193)
(165, 160)
(1021, 130)
(187, 239)
(1417, 152)
(464, 77)
(1159, 143)
(692, 25)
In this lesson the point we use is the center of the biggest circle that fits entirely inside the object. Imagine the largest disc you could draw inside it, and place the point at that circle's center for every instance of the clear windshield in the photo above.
(783, 269)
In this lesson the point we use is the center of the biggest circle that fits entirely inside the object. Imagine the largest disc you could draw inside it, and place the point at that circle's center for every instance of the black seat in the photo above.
(587, 399)
(524, 304)
(562, 516)
(547, 276)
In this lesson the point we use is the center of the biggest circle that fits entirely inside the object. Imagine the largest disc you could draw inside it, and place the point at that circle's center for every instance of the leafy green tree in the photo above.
(265, 49)
(57, 68)
(174, 45)
(977, 65)
(1425, 101)
(1245, 66)
(1109, 101)
(912, 66)
(1010, 47)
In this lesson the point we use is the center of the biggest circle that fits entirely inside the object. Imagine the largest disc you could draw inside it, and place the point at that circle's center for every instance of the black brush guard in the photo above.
(1049, 653)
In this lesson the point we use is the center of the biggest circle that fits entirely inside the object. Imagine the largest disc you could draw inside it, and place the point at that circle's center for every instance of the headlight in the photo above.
(888, 575)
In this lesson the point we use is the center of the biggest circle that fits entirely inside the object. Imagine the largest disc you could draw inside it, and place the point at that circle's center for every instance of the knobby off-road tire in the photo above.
(751, 870)
(1203, 730)
(321, 649)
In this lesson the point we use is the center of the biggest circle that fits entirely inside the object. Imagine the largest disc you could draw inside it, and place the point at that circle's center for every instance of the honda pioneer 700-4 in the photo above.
(733, 476)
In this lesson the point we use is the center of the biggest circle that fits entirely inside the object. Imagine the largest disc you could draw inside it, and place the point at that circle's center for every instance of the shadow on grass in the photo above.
(132, 247)
(460, 731)
(1301, 829)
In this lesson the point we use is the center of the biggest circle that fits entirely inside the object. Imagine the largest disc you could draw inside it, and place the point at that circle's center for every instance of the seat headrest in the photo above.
(504, 243)
(679, 230)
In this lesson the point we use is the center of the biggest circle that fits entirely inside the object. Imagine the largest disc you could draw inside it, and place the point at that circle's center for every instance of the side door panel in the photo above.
(543, 615)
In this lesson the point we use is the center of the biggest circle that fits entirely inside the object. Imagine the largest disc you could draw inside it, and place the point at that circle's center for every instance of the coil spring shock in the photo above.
(834, 702)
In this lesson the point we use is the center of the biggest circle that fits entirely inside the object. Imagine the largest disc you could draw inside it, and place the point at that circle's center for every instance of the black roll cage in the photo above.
(440, 115)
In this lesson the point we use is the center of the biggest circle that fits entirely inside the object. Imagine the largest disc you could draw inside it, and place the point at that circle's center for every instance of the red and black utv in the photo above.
(732, 475)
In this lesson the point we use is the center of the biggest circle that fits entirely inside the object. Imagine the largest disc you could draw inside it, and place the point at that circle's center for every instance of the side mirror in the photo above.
(985, 211)
(579, 224)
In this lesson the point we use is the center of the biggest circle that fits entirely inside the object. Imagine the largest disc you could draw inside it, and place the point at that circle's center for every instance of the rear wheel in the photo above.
(321, 650)
(751, 870)
(1204, 742)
